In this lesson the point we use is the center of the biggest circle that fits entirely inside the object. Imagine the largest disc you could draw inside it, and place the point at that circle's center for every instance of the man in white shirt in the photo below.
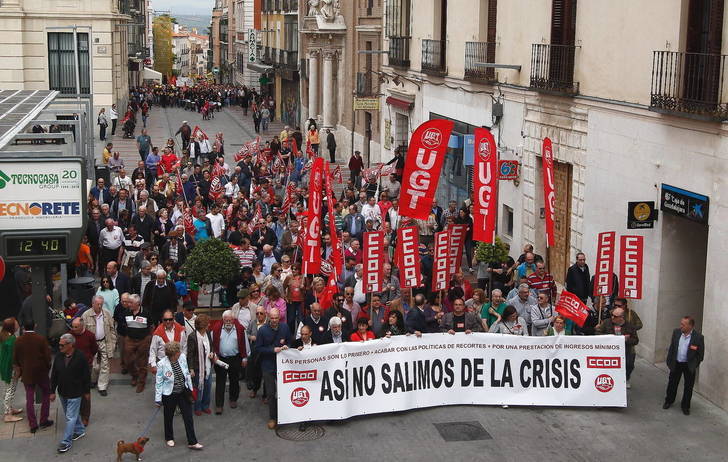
(231, 188)
(111, 240)
(371, 211)
(359, 296)
(122, 181)
(216, 221)
(100, 322)
(392, 186)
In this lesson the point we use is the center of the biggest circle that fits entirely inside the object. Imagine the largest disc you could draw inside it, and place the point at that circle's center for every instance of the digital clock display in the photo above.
(35, 246)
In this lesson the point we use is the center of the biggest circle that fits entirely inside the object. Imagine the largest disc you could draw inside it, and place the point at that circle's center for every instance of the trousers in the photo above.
(74, 426)
(170, 403)
(269, 381)
(136, 355)
(10, 395)
(222, 374)
(45, 389)
(681, 369)
(100, 366)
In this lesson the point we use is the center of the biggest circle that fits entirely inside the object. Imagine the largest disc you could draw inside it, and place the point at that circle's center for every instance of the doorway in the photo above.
(558, 255)
(682, 277)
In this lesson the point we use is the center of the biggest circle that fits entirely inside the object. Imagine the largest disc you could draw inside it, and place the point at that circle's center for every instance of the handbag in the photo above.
(190, 395)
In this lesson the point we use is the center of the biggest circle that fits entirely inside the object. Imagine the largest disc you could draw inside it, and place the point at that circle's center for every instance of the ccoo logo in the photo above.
(432, 138)
(604, 383)
(299, 397)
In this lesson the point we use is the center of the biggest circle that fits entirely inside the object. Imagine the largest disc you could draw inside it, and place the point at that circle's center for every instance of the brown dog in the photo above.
(135, 448)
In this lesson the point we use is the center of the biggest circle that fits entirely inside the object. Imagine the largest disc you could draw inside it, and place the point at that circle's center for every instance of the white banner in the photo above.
(338, 381)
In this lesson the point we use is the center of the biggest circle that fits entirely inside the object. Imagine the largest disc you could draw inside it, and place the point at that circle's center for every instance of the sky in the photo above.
(184, 6)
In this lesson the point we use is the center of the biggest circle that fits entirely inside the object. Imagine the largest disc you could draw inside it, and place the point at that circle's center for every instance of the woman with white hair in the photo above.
(173, 390)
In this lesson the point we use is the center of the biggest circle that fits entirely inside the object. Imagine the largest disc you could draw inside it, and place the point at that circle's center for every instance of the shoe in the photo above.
(63, 448)
(78, 436)
(124, 371)
(16, 411)
(629, 385)
(505, 406)
(271, 424)
(207, 411)
(93, 384)
(686, 411)
(218, 410)
(196, 446)
(9, 418)
(198, 413)
(103, 392)
(666, 405)
(46, 424)
(170, 443)
(33, 429)
(252, 394)
(133, 381)
(233, 404)
(140, 387)
(302, 427)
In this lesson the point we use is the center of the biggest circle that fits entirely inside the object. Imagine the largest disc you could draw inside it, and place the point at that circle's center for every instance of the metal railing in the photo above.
(552, 68)
(479, 52)
(289, 59)
(399, 51)
(434, 54)
(689, 83)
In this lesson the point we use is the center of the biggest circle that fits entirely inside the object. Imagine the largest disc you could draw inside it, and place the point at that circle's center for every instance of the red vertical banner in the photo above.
(549, 192)
(604, 274)
(441, 261)
(425, 156)
(337, 255)
(455, 252)
(485, 186)
(630, 266)
(312, 244)
(408, 242)
(373, 261)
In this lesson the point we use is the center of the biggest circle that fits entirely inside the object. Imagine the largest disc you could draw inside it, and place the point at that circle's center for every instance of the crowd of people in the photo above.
(143, 226)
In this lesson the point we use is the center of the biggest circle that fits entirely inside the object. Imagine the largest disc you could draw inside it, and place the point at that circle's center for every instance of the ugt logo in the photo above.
(4, 179)
(432, 138)
(484, 149)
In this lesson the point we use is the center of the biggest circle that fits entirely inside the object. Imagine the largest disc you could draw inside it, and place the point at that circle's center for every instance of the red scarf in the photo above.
(139, 448)
(162, 332)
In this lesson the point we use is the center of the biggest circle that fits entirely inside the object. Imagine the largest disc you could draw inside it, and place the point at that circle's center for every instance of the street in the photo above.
(643, 430)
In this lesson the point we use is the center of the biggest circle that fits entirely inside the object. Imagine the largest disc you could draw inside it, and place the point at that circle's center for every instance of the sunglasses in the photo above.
(168, 319)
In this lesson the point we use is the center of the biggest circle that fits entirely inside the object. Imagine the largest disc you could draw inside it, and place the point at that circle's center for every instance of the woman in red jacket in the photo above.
(167, 163)
(362, 333)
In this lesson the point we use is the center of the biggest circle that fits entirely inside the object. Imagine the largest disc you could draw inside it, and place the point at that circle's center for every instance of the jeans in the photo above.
(71, 407)
(203, 395)
(265, 124)
(629, 359)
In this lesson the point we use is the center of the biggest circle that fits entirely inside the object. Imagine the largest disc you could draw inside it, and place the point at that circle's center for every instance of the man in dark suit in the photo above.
(101, 192)
(121, 281)
(354, 223)
(32, 357)
(159, 295)
(685, 354)
(577, 278)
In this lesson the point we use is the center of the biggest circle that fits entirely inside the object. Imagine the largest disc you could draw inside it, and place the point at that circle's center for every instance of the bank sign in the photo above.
(41, 195)
(684, 203)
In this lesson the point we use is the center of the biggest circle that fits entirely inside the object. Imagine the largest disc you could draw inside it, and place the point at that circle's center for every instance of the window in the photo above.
(507, 225)
(398, 18)
(401, 132)
(61, 67)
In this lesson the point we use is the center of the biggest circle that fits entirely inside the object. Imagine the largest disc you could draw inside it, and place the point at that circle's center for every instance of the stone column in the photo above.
(328, 100)
(313, 84)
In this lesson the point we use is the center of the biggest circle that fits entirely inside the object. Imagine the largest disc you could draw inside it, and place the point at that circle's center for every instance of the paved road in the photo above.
(641, 432)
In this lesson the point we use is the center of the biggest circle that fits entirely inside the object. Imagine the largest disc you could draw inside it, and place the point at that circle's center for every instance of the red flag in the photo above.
(188, 222)
(630, 266)
(485, 186)
(441, 261)
(216, 189)
(180, 186)
(256, 217)
(294, 147)
(312, 247)
(326, 299)
(570, 307)
(408, 242)
(337, 257)
(218, 170)
(549, 193)
(425, 156)
(457, 242)
(198, 131)
(336, 175)
(604, 274)
(288, 201)
(373, 261)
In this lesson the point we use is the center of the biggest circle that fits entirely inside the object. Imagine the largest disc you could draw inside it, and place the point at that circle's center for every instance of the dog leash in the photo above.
(149, 424)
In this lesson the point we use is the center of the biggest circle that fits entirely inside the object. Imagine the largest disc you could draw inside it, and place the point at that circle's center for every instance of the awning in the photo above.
(260, 68)
(151, 74)
(400, 103)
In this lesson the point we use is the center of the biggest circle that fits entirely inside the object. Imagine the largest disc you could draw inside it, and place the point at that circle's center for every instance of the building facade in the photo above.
(190, 51)
(634, 113)
(223, 41)
(39, 37)
(342, 46)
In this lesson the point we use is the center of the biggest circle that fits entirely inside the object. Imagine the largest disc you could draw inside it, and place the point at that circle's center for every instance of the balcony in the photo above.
(689, 84)
(552, 69)
(289, 60)
(433, 57)
(479, 52)
(399, 52)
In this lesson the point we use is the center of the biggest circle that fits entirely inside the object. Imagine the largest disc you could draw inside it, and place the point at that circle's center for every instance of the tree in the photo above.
(211, 262)
(163, 59)
(492, 253)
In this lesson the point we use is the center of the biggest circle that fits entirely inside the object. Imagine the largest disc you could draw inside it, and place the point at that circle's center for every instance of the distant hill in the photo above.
(200, 22)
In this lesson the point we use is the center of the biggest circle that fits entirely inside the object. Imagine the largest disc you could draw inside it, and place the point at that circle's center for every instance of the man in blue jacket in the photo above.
(273, 337)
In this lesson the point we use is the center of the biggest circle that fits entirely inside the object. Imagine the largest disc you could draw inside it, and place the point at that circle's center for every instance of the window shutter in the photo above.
(491, 37)
(715, 27)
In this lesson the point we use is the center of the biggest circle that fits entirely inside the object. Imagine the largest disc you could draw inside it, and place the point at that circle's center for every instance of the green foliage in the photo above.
(211, 262)
(492, 253)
